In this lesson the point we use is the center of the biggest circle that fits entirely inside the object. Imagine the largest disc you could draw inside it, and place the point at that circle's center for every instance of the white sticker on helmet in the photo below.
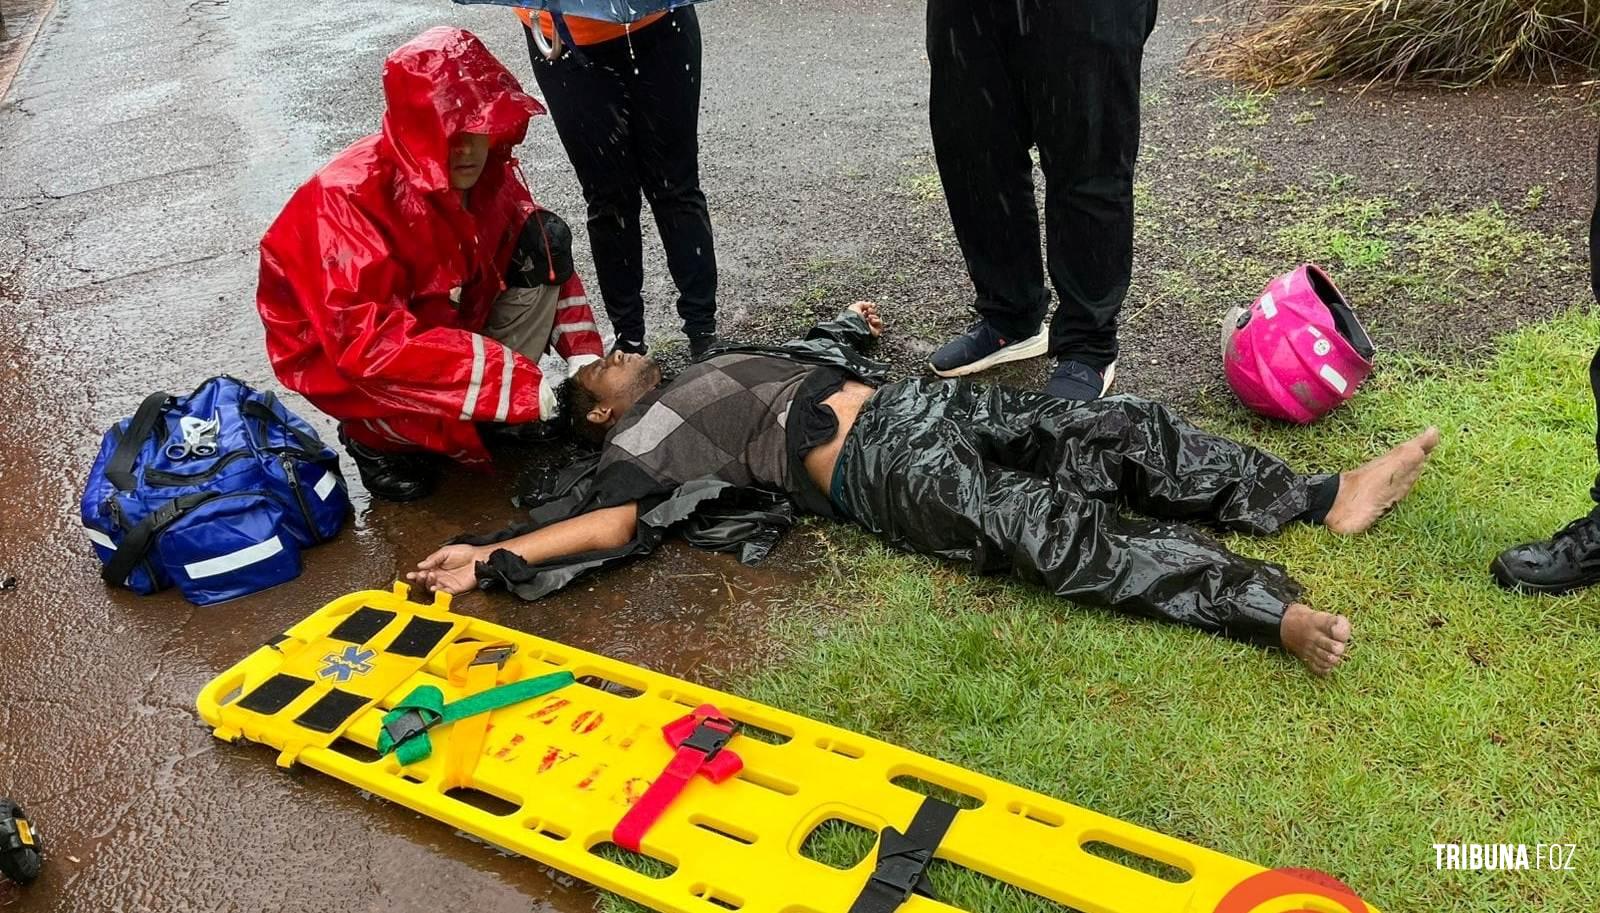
(1322, 347)
(1334, 378)
(1269, 305)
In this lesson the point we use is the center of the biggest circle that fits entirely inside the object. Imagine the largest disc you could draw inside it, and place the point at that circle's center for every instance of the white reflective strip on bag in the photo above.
(99, 538)
(1335, 378)
(469, 404)
(507, 366)
(325, 486)
(232, 561)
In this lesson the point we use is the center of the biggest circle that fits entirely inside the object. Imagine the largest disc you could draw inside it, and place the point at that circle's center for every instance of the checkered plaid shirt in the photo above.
(723, 418)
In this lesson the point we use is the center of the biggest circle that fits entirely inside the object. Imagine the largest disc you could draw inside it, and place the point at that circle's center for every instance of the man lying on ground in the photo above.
(411, 286)
(1000, 479)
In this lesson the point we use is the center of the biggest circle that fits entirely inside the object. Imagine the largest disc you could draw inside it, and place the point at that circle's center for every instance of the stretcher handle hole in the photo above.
(765, 781)
(1036, 815)
(749, 730)
(841, 749)
(228, 690)
(1130, 858)
(839, 844)
(610, 686)
(712, 896)
(548, 830)
(482, 801)
(736, 834)
(354, 750)
(944, 792)
(648, 866)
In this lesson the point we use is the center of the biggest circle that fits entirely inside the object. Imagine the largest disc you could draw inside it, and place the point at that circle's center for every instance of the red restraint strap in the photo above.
(701, 739)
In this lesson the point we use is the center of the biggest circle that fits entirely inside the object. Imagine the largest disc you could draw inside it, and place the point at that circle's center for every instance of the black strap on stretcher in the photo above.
(903, 859)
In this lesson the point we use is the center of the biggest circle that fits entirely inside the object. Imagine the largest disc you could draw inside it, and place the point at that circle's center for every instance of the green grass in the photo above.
(1407, 254)
(1482, 243)
(1464, 715)
(924, 187)
(1245, 107)
(1346, 230)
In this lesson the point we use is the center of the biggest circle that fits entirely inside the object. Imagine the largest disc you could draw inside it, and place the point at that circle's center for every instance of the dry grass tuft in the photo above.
(1445, 42)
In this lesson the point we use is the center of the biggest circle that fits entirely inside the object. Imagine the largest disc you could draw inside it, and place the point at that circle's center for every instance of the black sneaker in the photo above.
(1567, 561)
(981, 348)
(632, 346)
(1077, 381)
(393, 476)
(705, 342)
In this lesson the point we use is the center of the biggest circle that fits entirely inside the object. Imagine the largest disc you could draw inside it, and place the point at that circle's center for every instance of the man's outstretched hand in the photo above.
(869, 312)
(452, 569)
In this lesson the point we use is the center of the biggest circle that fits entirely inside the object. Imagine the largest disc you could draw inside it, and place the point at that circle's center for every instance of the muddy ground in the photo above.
(144, 146)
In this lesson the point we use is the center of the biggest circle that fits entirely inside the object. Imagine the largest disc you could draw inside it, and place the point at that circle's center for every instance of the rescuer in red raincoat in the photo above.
(411, 286)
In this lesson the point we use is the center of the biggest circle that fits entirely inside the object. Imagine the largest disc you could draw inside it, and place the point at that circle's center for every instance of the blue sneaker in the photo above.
(1077, 381)
(981, 348)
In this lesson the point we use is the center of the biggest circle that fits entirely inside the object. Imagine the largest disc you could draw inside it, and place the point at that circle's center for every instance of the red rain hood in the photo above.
(378, 281)
(445, 82)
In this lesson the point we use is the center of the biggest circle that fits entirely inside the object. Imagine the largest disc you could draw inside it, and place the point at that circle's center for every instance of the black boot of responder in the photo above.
(1567, 561)
(393, 476)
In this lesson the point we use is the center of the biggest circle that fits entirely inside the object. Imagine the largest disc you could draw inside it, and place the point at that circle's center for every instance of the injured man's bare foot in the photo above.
(1372, 489)
(1318, 639)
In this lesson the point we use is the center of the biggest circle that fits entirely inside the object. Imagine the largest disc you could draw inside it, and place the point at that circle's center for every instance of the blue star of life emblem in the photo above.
(352, 661)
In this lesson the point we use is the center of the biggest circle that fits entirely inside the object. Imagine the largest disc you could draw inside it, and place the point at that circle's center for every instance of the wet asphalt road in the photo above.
(144, 146)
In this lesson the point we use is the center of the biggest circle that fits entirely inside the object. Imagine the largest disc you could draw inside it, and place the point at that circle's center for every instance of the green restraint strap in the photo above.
(405, 728)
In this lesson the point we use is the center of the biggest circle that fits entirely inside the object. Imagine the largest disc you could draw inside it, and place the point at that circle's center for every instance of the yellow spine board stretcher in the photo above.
(572, 762)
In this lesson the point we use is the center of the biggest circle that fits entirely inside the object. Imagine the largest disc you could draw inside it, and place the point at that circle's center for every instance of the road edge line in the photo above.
(8, 76)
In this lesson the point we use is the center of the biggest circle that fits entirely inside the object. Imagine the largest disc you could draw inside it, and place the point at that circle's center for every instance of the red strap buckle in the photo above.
(701, 739)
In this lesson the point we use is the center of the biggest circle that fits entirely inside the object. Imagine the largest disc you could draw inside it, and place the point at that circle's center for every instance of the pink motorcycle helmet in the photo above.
(1298, 352)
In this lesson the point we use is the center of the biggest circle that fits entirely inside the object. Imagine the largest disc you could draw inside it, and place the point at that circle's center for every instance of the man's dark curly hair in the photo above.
(574, 402)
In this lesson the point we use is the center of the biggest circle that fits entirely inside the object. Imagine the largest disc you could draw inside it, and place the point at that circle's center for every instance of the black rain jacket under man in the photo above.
(709, 514)
(996, 479)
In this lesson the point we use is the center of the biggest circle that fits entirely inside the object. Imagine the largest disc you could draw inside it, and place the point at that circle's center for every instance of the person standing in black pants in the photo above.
(1570, 559)
(1062, 76)
(626, 103)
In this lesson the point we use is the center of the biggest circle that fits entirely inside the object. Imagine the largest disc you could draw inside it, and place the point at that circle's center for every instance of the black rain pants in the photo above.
(629, 118)
(1012, 480)
(1062, 75)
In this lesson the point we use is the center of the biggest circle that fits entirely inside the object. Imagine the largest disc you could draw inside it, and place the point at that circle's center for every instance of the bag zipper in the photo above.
(300, 496)
(114, 508)
(180, 479)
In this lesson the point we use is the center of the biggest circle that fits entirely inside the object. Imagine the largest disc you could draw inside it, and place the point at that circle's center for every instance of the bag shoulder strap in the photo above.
(262, 409)
(136, 544)
(119, 470)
